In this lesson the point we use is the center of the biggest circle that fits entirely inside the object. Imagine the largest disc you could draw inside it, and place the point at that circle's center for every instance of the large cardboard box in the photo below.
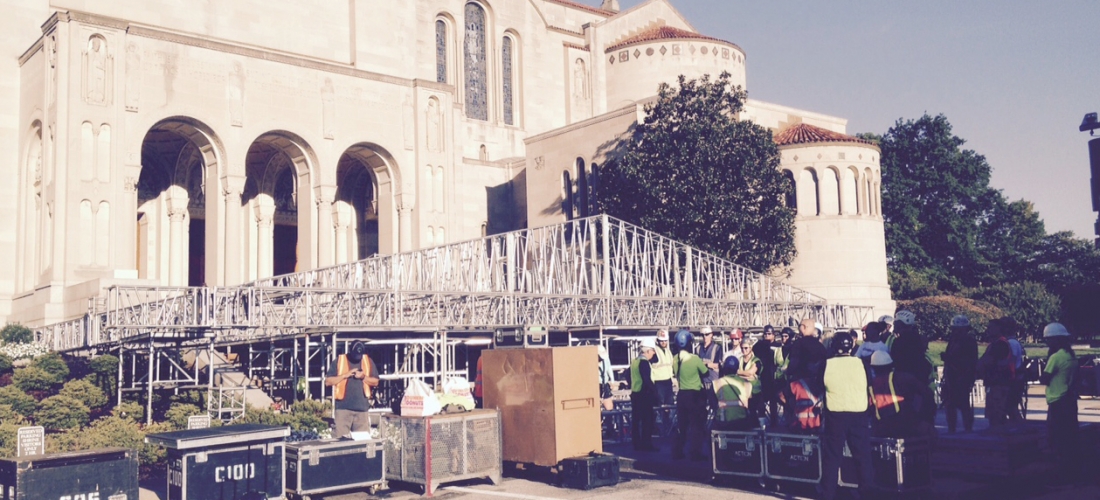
(549, 400)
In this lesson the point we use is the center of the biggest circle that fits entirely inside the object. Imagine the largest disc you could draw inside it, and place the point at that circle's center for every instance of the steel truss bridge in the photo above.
(597, 274)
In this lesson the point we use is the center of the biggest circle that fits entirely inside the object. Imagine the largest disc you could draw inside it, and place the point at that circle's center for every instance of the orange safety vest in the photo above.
(806, 408)
(884, 397)
(342, 367)
(478, 382)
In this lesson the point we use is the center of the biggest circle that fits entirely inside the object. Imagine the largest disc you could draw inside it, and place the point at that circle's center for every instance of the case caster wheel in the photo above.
(373, 490)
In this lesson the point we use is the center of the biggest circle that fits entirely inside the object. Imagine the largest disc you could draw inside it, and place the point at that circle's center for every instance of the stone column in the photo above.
(264, 209)
(325, 249)
(126, 220)
(404, 223)
(342, 215)
(232, 188)
(177, 243)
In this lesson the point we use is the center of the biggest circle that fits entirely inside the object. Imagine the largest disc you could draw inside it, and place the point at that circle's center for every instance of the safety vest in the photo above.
(636, 381)
(748, 364)
(884, 396)
(890, 341)
(478, 381)
(733, 398)
(780, 363)
(845, 384)
(662, 369)
(342, 367)
(807, 409)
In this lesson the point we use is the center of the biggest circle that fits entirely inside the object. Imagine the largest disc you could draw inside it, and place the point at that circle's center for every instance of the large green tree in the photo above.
(694, 172)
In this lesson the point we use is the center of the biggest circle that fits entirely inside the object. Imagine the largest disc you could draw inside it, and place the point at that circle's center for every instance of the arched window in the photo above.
(791, 196)
(817, 192)
(582, 190)
(567, 195)
(441, 51)
(507, 59)
(593, 186)
(474, 64)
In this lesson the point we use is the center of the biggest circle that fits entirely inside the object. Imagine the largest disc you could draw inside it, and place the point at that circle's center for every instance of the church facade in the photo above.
(178, 144)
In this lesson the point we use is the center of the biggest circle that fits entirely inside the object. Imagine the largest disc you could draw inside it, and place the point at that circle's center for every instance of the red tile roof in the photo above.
(662, 33)
(804, 133)
(582, 6)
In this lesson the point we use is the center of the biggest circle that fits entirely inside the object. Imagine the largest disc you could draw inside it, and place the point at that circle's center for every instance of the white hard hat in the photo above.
(819, 326)
(602, 351)
(881, 358)
(649, 344)
(886, 318)
(1055, 330)
(960, 321)
(907, 317)
(662, 335)
(705, 330)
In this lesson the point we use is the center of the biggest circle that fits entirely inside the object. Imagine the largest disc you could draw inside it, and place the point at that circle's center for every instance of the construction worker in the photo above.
(1060, 377)
(808, 355)
(734, 351)
(643, 397)
(734, 397)
(352, 378)
(691, 402)
(960, 369)
(662, 370)
(887, 335)
(845, 419)
(750, 368)
(909, 349)
(711, 354)
(903, 406)
(768, 352)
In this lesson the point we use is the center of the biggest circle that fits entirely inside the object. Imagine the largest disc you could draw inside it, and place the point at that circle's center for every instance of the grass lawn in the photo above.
(936, 348)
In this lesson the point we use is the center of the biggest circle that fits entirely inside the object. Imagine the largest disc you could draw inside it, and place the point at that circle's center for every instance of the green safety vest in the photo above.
(733, 399)
(636, 374)
(662, 369)
(745, 365)
(845, 385)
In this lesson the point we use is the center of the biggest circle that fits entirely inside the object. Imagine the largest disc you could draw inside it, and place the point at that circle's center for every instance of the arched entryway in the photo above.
(275, 201)
(363, 209)
(178, 169)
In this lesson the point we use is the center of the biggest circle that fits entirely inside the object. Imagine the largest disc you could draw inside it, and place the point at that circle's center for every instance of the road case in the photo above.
(334, 464)
(106, 474)
(738, 453)
(440, 449)
(225, 463)
(592, 471)
(792, 457)
(520, 337)
(900, 465)
(996, 453)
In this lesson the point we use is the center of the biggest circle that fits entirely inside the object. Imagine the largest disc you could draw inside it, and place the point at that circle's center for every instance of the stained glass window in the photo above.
(506, 71)
(477, 106)
(441, 51)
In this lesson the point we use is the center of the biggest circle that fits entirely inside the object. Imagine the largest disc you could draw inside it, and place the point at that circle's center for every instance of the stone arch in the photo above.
(477, 54)
(790, 197)
(849, 189)
(367, 203)
(868, 192)
(808, 202)
(445, 46)
(180, 162)
(567, 195)
(511, 77)
(829, 192)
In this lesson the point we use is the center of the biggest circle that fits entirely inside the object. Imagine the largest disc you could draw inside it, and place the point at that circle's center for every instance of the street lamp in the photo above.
(1090, 123)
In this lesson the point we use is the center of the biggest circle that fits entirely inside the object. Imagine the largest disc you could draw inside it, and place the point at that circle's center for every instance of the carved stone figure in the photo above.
(97, 71)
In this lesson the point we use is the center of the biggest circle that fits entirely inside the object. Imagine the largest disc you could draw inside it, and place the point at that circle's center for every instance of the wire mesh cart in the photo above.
(430, 451)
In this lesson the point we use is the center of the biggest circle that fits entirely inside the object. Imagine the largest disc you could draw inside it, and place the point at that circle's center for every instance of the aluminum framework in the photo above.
(597, 272)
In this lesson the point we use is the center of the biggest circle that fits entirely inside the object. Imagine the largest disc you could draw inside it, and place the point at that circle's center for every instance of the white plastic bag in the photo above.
(456, 390)
(419, 401)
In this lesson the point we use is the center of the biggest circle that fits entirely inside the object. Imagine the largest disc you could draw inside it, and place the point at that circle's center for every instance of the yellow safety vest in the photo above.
(342, 367)
(845, 385)
(662, 369)
(733, 398)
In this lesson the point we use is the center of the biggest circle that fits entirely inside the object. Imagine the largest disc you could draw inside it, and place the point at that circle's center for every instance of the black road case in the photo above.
(738, 453)
(225, 463)
(106, 474)
(792, 457)
(900, 465)
(331, 465)
(591, 471)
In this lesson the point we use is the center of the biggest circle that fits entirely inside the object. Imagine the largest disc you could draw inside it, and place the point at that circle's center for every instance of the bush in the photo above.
(114, 431)
(53, 364)
(33, 378)
(23, 351)
(85, 392)
(6, 363)
(61, 412)
(19, 401)
(129, 410)
(934, 313)
(104, 372)
(265, 416)
(14, 333)
(10, 422)
(1029, 303)
(179, 412)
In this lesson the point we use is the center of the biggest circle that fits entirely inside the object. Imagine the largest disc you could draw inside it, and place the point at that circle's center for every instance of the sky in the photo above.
(1014, 78)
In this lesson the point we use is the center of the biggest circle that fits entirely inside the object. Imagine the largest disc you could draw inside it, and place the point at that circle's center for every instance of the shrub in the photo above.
(61, 412)
(1029, 303)
(10, 422)
(33, 378)
(129, 410)
(114, 431)
(266, 416)
(14, 333)
(85, 392)
(53, 364)
(6, 363)
(23, 351)
(934, 313)
(179, 412)
(104, 372)
(19, 401)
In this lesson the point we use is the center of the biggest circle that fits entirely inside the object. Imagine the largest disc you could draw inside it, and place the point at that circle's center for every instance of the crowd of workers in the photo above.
(847, 393)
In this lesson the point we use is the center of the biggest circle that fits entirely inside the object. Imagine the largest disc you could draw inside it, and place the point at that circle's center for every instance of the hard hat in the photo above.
(662, 335)
(602, 351)
(705, 330)
(735, 334)
(842, 342)
(907, 317)
(730, 366)
(881, 358)
(819, 326)
(684, 340)
(788, 331)
(1055, 330)
(960, 321)
(649, 344)
(746, 342)
(768, 329)
(886, 318)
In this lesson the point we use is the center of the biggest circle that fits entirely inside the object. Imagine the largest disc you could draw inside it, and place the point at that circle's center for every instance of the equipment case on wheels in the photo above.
(900, 465)
(738, 453)
(225, 463)
(592, 471)
(332, 465)
(107, 474)
(792, 457)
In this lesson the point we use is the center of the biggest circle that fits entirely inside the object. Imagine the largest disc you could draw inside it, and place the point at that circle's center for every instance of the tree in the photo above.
(933, 195)
(1010, 237)
(1029, 303)
(694, 172)
(14, 333)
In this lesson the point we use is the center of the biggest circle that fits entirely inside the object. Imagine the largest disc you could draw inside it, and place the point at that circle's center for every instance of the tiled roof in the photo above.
(804, 133)
(662, 33)
(575, 46)
(581, 6)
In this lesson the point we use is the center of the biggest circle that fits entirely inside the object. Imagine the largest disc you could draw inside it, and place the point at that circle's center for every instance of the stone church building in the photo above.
(187, 143)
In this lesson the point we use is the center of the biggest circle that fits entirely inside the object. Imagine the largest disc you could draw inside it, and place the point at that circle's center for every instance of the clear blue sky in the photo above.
(1014, 78)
